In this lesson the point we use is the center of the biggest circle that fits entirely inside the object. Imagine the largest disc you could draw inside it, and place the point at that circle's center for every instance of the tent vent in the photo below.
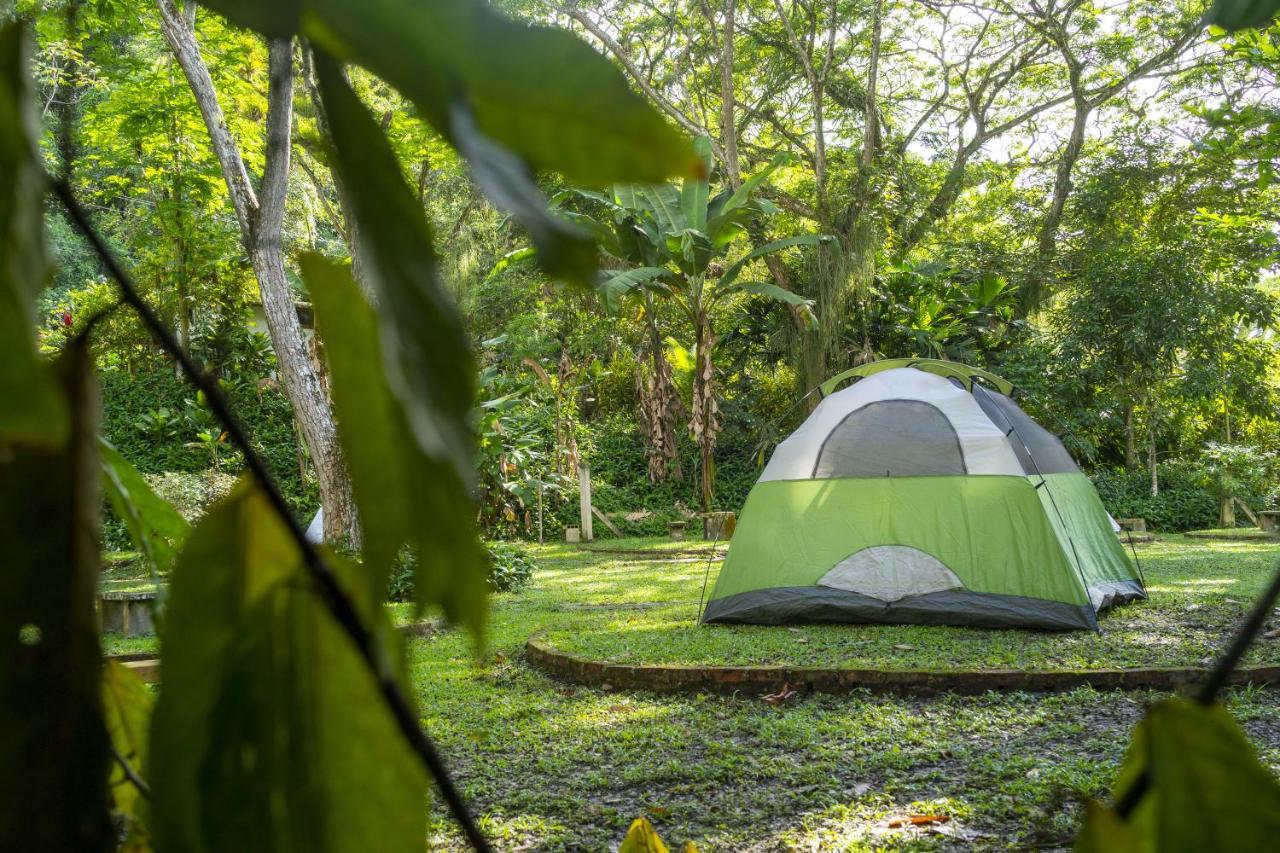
(890, 573)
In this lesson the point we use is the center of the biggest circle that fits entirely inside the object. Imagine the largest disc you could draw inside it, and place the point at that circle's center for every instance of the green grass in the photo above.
(1245, 533)
(650, 544)
(553, 766)
(1199, 592)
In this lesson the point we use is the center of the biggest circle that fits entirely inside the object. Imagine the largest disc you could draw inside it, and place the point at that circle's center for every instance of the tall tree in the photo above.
(260, 215)
(888, 107)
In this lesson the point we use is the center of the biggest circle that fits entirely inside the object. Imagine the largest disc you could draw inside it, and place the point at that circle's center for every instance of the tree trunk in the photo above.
(1130, 439)
(261, 223)
(705, 424)
(728, 121)
(1151, 451)
(659, 405)
(1037, 286)
(351, 227)
(1226, 511)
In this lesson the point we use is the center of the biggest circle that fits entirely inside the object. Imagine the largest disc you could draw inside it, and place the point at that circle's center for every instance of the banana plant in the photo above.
(674, 243)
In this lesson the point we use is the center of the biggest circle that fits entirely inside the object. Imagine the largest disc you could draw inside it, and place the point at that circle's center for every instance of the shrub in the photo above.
(191, 494)
(1187, 500)
(510, 568)
(153, 418)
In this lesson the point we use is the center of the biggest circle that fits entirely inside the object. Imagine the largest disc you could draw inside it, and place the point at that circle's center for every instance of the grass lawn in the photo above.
(551, 766)
(647, 544)
(1199, 592)
(1244, 533)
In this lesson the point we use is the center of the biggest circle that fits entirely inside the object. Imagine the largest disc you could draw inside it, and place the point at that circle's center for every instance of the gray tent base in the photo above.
(788, 605)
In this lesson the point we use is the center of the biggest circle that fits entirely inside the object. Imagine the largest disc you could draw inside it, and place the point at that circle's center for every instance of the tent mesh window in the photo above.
(891, 438)
(1047, 455)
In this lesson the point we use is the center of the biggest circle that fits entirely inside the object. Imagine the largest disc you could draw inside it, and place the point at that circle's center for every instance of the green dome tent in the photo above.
(922, 493)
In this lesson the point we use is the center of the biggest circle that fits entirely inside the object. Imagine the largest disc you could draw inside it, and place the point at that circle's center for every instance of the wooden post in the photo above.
(584, 499)
(539, 510)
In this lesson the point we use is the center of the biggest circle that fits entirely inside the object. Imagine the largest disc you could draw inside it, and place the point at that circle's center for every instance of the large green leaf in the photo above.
(31, 408)
(1104, 832)
(405, 495)
(542, 93)
(270, 732)
(1206, 789)
(428, 359)
(694, 191)
(661, 201)
(127, 707)
(691, 250)
(155, 527)
(778, 294)
(769, 290)
(53, 744)
(1239, 14)
(565, 251)
(615, 286)
(723, 211)
(732, 273)
(515, 256)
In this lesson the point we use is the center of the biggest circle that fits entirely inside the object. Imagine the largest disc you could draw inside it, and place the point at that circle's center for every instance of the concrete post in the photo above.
(584, 499)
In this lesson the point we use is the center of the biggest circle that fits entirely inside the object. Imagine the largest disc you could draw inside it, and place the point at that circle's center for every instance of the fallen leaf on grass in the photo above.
(781, 696)
(903, 647)
(918, 820)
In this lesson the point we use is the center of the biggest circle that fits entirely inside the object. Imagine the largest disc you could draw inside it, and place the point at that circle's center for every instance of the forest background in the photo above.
(1078, 196)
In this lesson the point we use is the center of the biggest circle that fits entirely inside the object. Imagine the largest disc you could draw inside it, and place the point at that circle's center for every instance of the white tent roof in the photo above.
(985, 449)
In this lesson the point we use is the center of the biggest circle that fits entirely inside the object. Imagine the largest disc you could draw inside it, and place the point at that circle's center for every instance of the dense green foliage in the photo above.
(1079, 197)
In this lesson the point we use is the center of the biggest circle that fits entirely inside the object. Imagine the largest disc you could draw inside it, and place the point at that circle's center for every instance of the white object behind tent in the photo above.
(315, 530)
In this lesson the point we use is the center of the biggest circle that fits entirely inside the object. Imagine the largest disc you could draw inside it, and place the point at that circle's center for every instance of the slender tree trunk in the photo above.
(1037, 286)
(1151, 449)
(351, 227)
(261, 222)
(1130, 439)
(705, 424)
(728, 120)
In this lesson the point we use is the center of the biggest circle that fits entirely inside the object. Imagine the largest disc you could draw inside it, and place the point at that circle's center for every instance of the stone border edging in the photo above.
(147, 665)
(668, 678)
(1247, 537)
(657, 556)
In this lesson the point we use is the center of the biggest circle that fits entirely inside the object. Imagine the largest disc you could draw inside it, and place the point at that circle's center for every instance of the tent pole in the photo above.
(707, 575)
(1044, 481)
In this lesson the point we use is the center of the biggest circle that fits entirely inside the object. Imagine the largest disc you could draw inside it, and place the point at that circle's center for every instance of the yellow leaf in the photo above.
(643, 838)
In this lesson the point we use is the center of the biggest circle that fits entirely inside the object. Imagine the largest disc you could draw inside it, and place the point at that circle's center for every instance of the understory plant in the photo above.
(509, 568)
(673, 242)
